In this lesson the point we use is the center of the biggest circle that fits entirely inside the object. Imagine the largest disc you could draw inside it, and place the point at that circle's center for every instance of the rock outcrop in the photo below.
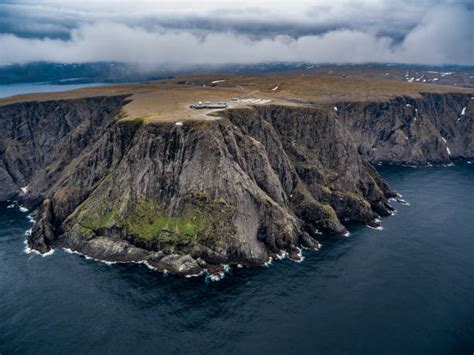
(238, 190)
(434, 129)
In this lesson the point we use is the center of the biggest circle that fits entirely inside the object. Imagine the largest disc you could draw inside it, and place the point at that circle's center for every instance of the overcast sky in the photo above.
(175, 33)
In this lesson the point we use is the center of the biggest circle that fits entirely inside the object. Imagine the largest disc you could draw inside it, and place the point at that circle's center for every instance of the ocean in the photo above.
(406, 289)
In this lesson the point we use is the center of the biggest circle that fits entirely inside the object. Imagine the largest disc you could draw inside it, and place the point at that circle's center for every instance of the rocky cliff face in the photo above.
(237, 190)
(436, 128)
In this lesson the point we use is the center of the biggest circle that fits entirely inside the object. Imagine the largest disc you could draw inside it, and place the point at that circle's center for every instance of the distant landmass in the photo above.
(105, 72)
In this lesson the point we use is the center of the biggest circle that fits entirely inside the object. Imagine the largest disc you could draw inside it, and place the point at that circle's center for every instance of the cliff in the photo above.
(240, 189)
(433, 129)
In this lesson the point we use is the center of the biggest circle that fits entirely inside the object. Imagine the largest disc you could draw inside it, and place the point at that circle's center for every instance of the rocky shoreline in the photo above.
(255, 185)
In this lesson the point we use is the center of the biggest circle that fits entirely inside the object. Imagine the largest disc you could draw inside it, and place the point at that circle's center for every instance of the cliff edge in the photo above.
(253, 183)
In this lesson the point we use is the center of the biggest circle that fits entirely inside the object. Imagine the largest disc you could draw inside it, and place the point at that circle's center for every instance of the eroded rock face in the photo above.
(236, 190)
(435, 129)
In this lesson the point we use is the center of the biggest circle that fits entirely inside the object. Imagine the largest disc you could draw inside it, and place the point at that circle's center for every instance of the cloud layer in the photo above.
(175, 34)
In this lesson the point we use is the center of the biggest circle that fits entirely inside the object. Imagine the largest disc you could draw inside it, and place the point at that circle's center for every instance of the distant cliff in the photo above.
(437, 128)
(238, 190)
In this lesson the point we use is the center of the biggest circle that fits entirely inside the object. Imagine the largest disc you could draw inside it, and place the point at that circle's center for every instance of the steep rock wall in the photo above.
(235, 190)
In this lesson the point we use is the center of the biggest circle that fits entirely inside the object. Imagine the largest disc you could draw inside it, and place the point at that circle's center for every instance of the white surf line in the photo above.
(215, 277)
(28, 250)
(268, 262)
(107, 262)
(379, 228)
(283, 255)
(300, 255)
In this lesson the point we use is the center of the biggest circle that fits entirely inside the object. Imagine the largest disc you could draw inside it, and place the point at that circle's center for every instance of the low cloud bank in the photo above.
(442, 35)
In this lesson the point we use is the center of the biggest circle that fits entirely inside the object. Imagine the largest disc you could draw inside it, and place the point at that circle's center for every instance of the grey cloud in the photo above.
(428, 32)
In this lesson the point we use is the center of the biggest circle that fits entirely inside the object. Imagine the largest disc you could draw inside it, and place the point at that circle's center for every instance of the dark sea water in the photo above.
(406, 289)
(28, 88)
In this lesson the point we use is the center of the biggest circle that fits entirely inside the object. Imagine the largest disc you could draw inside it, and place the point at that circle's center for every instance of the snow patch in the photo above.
(217, 81)
(24, 189)
(275, 88)
(448, 150)
(463, 112)
(179, 123)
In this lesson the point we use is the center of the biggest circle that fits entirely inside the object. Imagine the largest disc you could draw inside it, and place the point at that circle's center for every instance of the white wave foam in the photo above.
(107, 262)
(315, 248)
(283, 255)
(240, 266)
(300, 255)
(268, 262)
(347, 234)
(147, 264)
(193, 275)
(31, 219)
(23, 209)
(379, 228)
(404, 202)
(11, 206)
(28, 250)
(215, 277)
